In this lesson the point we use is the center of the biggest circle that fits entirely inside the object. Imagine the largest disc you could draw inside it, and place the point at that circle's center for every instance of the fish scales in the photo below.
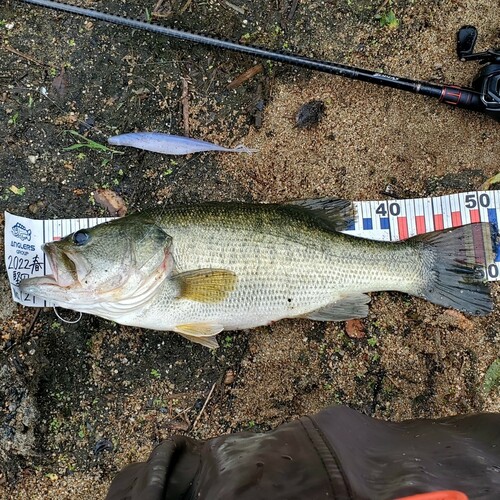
(286, 263)
(201, 269)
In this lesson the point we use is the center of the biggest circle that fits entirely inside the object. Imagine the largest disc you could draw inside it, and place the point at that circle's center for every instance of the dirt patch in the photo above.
(80, 401)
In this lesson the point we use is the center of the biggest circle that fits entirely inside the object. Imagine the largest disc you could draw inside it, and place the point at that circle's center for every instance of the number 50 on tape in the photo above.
(390, 220)
(394, 220)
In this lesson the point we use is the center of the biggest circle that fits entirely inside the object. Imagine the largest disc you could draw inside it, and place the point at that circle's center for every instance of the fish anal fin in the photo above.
(201, 333)
(347, 307)
(206, 285)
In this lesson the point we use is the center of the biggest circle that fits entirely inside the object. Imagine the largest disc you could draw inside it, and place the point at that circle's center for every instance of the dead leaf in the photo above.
(355, 329)
(456, 318)
(111, 201)
(229, 378)
(68, 120)
(489, 182)
(163, 8)
(176, 425)
(60, 83)
(492, 377)
(310, 114)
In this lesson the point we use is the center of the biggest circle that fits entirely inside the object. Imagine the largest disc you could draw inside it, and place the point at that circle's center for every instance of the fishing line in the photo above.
(66, 320)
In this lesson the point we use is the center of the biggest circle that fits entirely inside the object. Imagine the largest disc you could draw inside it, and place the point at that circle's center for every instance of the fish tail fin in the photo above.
(455, 274)
(241, 148)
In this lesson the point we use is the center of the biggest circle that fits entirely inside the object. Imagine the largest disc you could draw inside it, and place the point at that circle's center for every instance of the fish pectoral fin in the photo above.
(201, 333)
(206, 285)
(337, 213)
(347, 307)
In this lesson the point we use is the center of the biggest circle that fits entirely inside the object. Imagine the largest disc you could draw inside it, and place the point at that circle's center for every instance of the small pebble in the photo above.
(38, 205)
(229, 378)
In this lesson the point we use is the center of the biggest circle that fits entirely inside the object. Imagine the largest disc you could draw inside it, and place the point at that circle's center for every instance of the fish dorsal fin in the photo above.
(347, 307)
(339, 214)
(206, 285)
(201, 333)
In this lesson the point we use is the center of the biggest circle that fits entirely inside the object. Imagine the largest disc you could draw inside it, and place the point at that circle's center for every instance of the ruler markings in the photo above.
(375, 217)
(386, 220)
(446, 212)
(420, 221)
(466, 210)
(456, 214)
(367, 217)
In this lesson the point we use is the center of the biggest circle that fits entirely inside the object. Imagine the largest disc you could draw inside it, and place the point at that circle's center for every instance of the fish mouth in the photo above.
(67, 271)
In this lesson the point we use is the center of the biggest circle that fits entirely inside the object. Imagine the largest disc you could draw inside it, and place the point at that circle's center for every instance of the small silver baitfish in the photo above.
(200, 269)
(170, 144)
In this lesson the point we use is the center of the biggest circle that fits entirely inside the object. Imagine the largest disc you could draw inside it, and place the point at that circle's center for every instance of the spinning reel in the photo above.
(487, 81)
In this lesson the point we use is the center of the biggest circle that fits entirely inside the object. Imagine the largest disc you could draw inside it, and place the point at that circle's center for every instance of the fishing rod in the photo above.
(483, 96)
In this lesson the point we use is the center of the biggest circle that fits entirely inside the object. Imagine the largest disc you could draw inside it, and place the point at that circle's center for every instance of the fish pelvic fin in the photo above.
(457, 273)
(201, 333)
(347, 307)
(338, 214)
(206, 285)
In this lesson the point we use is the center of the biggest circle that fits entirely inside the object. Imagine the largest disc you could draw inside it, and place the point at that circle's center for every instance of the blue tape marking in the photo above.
(367, 224)
(493, 220)
(351, 226)
(384, 222)
(492, 217)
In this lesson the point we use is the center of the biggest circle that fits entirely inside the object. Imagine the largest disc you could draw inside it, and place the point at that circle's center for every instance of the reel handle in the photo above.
(487, 81)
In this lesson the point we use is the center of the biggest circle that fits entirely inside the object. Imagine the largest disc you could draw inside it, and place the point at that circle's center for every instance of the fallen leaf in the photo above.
(70, 119)
(176, 425)
(60, 83)
(229, 378)
(16, 190)
(111, 201)
(355, 329)
(492, 377)
(456, 318)
(492, 180)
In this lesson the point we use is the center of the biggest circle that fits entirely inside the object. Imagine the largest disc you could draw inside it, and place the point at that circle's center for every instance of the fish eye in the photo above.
(81, 237)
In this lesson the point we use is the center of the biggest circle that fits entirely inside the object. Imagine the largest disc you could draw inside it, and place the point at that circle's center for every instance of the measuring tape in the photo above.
(396, 220)
(24, 257)
(377, 220)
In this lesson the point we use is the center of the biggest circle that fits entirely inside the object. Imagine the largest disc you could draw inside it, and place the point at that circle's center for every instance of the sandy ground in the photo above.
(80, 401)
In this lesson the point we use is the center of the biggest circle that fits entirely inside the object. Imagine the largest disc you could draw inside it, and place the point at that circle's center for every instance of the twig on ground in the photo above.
(293, 8)
(185, 6)
(204, 406)
(8, 48)
(185, 105)
(393, 382)
(237, 8)
(246, 75)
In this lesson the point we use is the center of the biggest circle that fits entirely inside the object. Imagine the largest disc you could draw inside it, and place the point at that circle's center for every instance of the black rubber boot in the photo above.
(335, 454)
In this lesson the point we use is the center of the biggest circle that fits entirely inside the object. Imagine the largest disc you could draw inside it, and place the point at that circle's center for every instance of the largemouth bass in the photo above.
(197, 270)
